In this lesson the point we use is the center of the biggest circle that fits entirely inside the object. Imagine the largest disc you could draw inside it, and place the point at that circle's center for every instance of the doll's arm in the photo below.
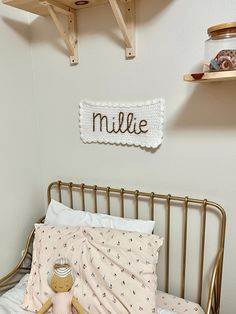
(45, 307)
(77, 305)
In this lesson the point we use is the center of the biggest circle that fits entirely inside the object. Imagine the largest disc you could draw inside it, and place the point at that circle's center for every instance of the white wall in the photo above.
(20, 181)
(198, 155)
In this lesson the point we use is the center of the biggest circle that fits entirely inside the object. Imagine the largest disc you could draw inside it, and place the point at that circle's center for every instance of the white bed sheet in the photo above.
(10, 302)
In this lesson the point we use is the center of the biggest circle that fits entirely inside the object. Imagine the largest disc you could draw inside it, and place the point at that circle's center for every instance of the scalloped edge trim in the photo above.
(122, 105)
(155, 101)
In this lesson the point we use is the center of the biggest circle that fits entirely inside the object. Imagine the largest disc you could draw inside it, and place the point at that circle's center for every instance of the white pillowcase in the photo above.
(61, 215)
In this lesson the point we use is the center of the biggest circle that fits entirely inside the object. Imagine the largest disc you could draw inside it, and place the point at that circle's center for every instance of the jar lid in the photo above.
(222, 29)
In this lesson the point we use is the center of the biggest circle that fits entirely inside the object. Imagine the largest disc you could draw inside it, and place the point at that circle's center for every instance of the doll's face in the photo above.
(61, 284)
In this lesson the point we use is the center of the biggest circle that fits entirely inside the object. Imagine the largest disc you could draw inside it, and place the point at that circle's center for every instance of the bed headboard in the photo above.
(194, 232)
(191, 260)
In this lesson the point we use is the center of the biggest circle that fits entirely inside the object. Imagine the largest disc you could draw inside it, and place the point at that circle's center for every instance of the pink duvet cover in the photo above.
(115, 270)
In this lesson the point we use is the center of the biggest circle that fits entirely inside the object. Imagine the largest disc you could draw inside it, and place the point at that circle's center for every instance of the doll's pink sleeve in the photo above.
(62, 303)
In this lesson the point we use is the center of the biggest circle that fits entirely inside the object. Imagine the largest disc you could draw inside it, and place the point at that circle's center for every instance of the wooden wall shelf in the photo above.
(125, 18)
(211, 76)
(36, 7)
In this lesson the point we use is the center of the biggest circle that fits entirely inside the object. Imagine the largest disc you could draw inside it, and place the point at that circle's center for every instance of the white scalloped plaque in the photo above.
(139, 124)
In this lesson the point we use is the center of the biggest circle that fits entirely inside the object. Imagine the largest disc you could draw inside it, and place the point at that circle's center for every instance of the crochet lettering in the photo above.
(121, 124)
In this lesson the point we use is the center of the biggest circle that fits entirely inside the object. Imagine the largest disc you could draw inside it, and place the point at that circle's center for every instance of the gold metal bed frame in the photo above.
(153, 199)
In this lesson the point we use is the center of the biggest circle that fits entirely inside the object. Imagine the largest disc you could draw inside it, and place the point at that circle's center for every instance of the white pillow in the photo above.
(61, 215)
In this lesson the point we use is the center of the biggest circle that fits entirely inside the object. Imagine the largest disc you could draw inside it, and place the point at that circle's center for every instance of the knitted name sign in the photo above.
(131, 124)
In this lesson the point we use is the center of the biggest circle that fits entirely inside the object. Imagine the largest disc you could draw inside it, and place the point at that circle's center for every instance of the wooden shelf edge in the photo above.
(34, 6)
(211, 76)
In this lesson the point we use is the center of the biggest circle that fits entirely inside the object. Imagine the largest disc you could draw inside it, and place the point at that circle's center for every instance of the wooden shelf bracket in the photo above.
(123, 10)
(69, 36)
(126, 24)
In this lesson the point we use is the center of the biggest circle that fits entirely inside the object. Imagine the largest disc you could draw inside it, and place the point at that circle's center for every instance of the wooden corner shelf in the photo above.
(126, 20)
(36, 7)
(211, 76)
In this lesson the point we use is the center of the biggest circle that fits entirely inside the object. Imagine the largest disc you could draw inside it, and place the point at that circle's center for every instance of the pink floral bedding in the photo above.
(115, 270)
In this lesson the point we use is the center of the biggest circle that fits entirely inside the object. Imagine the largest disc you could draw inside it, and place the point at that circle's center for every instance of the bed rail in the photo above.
(80, 192)
(13, 277)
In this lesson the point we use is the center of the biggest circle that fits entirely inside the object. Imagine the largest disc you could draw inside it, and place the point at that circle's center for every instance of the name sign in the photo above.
(138, 124)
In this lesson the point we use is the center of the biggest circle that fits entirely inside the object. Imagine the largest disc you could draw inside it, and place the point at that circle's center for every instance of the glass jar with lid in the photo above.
(220, 48)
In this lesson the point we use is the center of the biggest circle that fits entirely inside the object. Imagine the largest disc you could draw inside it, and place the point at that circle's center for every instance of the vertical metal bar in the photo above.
(108, 201)
(202, 254)
(71, 195)
(222, 244)
(213, 306)
(136, 204)
(59, 190)
(217, 292)
(82, 196)
(152, 206)
(122, 203)
(168, 245)
(49, 194)
(95, 199)
(215, 299)
(184, 247)
(218, 282)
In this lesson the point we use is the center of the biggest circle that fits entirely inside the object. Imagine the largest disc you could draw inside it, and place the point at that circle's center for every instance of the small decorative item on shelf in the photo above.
(220, 48)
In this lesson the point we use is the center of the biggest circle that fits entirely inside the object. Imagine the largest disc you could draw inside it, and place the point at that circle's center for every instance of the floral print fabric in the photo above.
(177, 305)
(115, 271)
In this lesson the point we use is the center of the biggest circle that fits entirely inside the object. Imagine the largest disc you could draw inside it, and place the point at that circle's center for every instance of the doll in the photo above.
(61, 283)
